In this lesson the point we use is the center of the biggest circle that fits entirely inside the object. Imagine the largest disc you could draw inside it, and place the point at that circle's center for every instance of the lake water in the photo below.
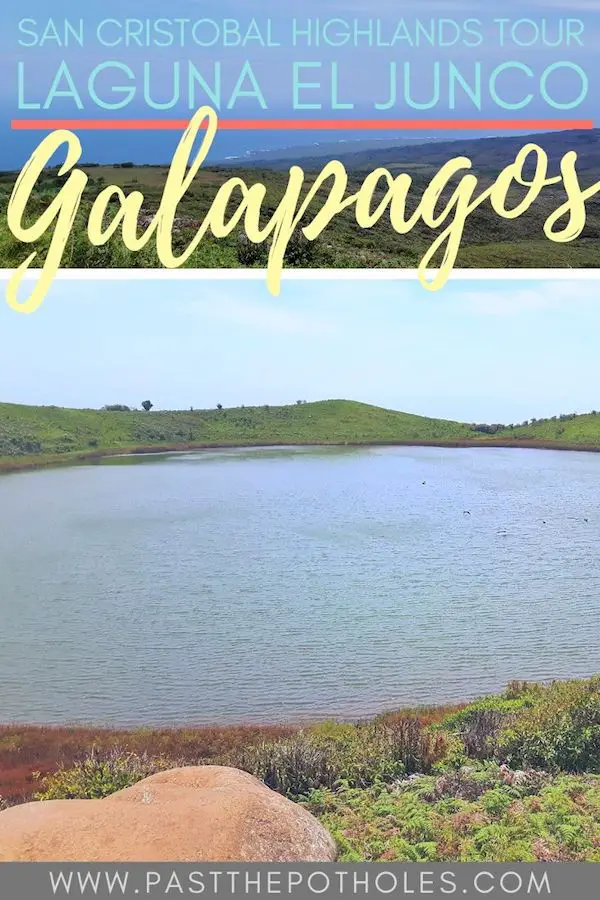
(285, 584)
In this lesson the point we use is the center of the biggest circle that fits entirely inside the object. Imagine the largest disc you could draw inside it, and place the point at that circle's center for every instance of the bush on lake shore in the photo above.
(99, 775)
(333, 753)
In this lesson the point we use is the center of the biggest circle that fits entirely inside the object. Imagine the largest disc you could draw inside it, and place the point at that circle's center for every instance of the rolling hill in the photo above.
(31, 436)
(488, 154)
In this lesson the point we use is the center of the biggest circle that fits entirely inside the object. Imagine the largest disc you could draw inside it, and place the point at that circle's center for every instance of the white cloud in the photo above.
(274, 315)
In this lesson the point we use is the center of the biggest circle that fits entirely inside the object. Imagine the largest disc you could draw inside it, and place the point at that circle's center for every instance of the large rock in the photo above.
(193, 814)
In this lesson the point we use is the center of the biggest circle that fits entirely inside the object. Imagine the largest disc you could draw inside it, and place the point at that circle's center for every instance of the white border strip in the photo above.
(313, 274)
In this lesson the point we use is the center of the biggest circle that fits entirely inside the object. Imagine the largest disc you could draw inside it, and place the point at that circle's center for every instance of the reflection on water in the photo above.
(264, 585)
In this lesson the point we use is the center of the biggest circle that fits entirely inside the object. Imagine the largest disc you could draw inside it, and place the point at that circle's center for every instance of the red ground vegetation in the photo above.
(29, 749)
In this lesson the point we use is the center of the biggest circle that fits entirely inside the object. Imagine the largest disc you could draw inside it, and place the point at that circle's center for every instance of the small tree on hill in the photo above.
(147, 405)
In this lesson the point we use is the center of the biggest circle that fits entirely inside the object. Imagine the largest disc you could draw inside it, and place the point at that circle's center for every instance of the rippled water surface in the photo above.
(268, 585)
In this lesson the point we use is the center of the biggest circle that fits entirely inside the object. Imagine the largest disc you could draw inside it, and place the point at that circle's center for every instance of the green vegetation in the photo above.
(560, 730)
(30, 432)
(506, 778)
(332, 754)
(41, 435)
(489, 241)
(99, 775)
(479, 815)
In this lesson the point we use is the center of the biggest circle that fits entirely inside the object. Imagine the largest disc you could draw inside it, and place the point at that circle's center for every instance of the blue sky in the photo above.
(475, 351)
(363, 70)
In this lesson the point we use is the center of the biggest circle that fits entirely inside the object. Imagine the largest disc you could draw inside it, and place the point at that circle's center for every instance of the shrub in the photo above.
(362, 754)
(466, 783)
(249, 253)
(469, 782)
(561, 731)
(300, 251)
(479, 732)
(523, 782)
(293, 767)
(99, 775)
(517, 690)
(17, 445)
(333, 754)
(418, 746)
(478, 725)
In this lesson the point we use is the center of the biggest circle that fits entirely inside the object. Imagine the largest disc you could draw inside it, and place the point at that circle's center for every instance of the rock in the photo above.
(192, 814)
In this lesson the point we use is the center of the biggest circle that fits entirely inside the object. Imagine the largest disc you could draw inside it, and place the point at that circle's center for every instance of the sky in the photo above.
(363, 71)
(477, 351)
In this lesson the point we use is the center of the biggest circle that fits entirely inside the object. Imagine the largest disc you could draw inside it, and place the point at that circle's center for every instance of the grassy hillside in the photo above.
(489, 241)
(41, 431)
(570, 429)
(37, 435)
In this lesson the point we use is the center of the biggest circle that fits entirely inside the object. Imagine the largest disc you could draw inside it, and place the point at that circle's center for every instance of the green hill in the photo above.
(42, 431)
(42, 435)
(567, 429)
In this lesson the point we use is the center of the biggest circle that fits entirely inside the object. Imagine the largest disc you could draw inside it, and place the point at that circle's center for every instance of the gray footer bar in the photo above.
(437, 881)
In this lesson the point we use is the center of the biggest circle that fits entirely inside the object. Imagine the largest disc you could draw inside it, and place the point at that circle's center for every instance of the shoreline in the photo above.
(10, 465)
(28, 750)
(429, 710)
